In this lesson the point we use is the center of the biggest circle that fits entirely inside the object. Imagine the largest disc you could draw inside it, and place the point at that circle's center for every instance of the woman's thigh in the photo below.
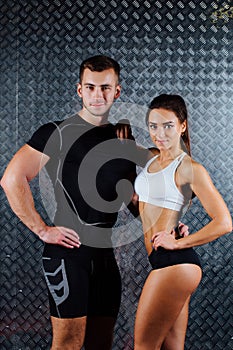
(163, 297)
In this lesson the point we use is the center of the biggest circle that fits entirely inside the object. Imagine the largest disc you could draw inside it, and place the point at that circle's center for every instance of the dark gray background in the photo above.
(182, 47)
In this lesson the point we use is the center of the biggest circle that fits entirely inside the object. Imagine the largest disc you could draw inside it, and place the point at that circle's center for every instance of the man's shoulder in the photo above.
(49, 127)
(43, 134)
(46, 130)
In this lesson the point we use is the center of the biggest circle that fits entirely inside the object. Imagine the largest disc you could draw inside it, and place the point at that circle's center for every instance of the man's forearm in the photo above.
(20, 198)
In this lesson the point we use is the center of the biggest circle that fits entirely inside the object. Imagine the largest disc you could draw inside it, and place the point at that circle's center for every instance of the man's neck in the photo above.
(94, 120)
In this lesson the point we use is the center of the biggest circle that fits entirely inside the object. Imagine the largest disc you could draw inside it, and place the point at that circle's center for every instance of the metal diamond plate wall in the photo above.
(182, 47)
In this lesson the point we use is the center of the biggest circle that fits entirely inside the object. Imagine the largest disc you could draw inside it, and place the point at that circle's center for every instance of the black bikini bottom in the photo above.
(163, 258)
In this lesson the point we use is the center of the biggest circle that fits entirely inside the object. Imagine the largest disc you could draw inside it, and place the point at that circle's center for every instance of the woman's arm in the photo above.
(220, 224)
(213, 203)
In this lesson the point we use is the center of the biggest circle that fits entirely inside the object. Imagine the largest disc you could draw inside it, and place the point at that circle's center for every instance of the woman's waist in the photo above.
(150, 230)
(149, 233)
(156, 219)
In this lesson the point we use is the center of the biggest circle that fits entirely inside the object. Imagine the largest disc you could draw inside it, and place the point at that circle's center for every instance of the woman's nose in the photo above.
(160, 132)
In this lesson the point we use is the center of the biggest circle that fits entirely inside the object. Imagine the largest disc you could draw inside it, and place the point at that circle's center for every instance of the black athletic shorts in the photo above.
(161, 257)
(87, 283)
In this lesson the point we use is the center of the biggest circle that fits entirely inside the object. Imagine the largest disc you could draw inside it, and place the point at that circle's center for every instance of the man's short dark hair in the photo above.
(99, 63)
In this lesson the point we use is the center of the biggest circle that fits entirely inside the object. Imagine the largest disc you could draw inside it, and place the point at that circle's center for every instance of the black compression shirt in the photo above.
(87, 165)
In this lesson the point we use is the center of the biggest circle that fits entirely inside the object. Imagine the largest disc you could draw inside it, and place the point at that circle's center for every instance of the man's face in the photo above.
(98, 91)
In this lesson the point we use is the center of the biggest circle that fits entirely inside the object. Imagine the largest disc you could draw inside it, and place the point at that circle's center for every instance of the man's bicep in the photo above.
(27, 162)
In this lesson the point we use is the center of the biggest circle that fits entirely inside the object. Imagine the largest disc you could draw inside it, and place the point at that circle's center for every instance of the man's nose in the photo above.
(98, 92)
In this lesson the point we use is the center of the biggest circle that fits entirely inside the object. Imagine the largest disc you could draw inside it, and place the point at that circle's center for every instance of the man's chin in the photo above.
(98, 112)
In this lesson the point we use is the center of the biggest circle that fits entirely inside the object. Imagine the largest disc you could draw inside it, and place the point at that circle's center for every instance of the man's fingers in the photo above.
(68, 237)
(69, 242)
(69, 233)
(64, 244)
(184, 229)
(173, 232)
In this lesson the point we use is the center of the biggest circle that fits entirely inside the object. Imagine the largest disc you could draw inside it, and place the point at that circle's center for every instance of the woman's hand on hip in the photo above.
(164, 239)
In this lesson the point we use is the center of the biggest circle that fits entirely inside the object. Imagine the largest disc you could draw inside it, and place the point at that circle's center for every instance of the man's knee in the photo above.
(68, 333)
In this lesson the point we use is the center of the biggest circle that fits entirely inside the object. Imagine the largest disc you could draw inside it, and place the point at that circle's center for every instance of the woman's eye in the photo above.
(153, 127)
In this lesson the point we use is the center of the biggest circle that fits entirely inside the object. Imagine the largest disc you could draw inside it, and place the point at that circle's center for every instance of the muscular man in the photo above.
(86, 162)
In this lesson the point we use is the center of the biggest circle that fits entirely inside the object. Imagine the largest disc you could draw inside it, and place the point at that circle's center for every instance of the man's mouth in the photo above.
(97, 104)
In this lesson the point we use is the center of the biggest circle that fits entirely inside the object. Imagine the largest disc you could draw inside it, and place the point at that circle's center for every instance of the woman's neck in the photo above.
(166, 155)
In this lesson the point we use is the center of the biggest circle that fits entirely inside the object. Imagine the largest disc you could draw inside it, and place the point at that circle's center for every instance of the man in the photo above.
(88, 166)
(83, 279)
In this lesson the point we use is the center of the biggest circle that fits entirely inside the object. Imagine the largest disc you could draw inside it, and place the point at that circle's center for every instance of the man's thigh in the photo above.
(68, 285)
(79, 288)
(105, 287)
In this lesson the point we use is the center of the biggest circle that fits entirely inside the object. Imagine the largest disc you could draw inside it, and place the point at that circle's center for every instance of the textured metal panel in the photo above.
(163, 46)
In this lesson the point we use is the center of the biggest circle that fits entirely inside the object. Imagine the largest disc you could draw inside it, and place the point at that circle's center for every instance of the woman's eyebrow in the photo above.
(165, 123)
(170, 122)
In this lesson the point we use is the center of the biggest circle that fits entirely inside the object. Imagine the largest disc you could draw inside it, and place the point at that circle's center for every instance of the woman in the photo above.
(164, 189)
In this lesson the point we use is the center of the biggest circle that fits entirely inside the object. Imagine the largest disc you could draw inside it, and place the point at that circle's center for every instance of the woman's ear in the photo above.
(183, 127)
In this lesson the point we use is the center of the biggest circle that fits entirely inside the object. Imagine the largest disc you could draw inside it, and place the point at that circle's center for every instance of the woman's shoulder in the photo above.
(190, 168)
(188, 160)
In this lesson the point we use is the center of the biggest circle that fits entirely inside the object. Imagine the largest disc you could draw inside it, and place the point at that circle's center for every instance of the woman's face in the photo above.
(165, 128)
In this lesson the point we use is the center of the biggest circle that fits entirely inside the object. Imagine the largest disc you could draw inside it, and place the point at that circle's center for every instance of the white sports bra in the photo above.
(159, 188)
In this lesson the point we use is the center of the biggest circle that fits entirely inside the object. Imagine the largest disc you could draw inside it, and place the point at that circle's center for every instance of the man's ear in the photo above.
(79, 90)
(118, 91)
